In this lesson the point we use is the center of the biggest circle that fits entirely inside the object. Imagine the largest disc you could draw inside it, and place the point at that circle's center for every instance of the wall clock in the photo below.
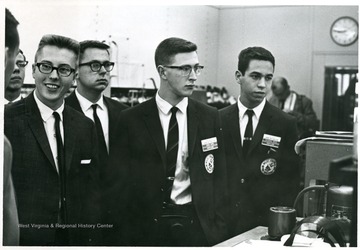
(344, 31)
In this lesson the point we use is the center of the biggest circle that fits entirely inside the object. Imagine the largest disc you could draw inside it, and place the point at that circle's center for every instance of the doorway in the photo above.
(339, 98)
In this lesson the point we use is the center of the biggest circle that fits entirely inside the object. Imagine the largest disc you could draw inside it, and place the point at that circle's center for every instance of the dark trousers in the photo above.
(179, 226)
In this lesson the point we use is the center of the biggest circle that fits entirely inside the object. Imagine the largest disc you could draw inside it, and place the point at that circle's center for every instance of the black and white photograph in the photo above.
(187, 124)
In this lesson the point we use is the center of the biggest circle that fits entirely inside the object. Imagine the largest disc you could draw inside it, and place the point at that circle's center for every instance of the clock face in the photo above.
(344, 31)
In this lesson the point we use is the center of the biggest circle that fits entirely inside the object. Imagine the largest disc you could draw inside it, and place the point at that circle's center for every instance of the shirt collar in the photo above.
(15, 100)
(85, 104)
(257, 110)
(47, 112)
(165, 107)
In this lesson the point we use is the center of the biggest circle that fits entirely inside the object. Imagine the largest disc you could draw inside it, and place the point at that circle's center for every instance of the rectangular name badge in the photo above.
(271, 141)
(85, 161)
(209, 144)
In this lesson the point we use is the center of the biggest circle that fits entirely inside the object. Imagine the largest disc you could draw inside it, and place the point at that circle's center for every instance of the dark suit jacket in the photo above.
(114, 109)
(36, 179)
(251, 192)
(140, 157)
(106, 170)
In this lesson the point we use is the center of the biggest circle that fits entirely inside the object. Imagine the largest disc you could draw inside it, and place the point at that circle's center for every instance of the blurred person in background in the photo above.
(13, 90)
(295, 105)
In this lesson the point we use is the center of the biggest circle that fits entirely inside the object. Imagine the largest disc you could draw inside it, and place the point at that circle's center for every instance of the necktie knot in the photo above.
(94, 106)
(174, 110)
(57, 116)
(249, 113)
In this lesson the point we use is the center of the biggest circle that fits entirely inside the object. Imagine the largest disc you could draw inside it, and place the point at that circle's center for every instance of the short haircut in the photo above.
(284, 82)
(22, 53)
(61, 42)
(12, 39)
(168, 48)
(92, 44)
(253, 53)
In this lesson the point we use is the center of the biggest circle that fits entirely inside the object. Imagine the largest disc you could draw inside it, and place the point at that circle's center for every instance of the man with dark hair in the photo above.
(92, 79)
(12, 42)
(262, 165)
(10, 216)
(55, 154)
(171, 154)
(295, 105)
(13, 90)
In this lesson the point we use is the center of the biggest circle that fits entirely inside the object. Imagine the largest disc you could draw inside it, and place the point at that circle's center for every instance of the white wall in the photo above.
(298, 37)
(136, 29)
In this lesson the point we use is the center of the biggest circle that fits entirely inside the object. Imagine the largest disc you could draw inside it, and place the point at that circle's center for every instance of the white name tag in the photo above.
(209, 144)
(85, 161)
(271, 141)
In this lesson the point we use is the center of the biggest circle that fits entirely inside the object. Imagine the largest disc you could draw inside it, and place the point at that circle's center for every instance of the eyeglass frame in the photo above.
(19, 66)
(101, 65)
(181, 68)
(55, 68)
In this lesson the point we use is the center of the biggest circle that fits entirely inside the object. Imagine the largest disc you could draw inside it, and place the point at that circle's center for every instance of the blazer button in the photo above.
(242, 181)
(155, 220)
(161, 189)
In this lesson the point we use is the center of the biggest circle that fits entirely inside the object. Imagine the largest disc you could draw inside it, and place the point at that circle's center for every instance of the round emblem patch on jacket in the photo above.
(209, 163)
(268, 166)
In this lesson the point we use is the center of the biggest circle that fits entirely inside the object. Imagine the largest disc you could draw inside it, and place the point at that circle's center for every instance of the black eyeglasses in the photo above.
(63, 70)
(96, 66)
(186, 69)
(21, 64)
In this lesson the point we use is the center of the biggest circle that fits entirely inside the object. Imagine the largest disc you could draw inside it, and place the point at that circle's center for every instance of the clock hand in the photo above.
(339, 31)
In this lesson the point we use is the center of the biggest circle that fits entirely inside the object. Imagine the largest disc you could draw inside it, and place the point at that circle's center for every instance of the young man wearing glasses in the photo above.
(54, 154)
(92, 79)
(170, 159)
(13, 90)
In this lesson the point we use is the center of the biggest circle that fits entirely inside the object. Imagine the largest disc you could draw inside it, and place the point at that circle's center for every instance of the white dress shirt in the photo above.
(101, 111)
(49, 125)
(17, 99)
(181, 193)
(243, 118)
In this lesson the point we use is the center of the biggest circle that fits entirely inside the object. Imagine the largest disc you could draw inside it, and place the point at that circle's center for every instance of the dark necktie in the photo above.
(171, 152)
(61, 166)
(282, 104)
(103, 154)
(248, 132)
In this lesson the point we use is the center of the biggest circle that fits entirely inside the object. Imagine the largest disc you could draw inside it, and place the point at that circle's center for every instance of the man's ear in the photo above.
(7, 54)
(238, 76)
(162, 72)
(33, 66)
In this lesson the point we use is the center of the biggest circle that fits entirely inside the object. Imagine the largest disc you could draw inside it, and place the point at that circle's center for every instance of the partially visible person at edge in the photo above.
(13, 90)
(10, 215)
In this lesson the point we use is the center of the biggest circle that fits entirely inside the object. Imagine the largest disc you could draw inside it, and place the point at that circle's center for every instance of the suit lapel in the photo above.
(73, 102)
(234, 126)
(37, 126)
(69, 137)
(263, 125)
(192, 123)
(152, 121)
